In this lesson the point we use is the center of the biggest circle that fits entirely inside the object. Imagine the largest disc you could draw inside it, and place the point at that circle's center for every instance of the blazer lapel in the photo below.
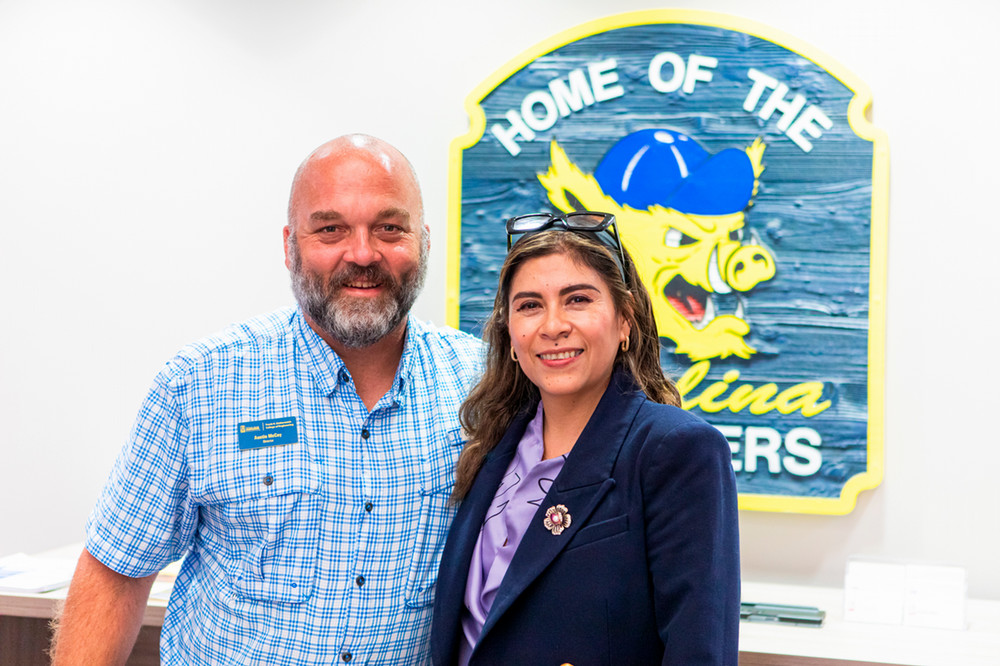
(455, 562)
(584, 480)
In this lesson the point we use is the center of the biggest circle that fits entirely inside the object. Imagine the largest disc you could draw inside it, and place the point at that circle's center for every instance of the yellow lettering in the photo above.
(706, 400)
(756, 398)
(804, 397)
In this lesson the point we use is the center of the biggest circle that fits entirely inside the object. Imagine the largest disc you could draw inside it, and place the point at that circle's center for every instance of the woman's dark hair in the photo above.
(504, 390)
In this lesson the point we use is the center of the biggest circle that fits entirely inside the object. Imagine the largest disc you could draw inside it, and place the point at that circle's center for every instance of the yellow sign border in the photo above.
(857, 116)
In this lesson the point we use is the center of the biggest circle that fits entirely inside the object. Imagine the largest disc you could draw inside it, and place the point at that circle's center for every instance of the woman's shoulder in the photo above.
(668, 416)
(669, 428)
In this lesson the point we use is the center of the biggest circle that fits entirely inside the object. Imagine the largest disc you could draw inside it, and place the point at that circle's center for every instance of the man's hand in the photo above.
(101, 617)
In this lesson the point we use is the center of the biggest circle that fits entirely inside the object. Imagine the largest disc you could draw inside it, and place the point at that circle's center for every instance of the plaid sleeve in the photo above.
(143, 519)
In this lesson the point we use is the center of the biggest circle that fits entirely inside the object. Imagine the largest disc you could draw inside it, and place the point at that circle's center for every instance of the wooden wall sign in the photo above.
(750, 188)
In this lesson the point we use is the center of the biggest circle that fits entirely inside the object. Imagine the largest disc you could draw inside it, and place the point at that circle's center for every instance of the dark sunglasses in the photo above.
(581, 221)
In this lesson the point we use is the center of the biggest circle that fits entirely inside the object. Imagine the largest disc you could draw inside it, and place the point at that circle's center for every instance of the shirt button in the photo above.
(360, 580)
(346, 657)
(364, 433)
(268, 480)
(369, 506)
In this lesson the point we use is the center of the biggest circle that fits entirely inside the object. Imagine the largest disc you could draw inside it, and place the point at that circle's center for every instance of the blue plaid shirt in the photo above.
(322, 551)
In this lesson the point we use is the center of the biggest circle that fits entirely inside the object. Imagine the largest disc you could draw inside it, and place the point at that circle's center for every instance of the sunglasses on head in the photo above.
(580, 221)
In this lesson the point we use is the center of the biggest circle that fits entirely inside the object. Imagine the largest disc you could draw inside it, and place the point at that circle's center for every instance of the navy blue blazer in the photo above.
(648, 571)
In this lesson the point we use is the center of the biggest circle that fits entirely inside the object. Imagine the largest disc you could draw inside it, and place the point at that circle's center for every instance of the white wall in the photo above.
(146, 151)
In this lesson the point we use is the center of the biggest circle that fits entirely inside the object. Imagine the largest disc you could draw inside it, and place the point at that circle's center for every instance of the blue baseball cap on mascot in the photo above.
(667, 168)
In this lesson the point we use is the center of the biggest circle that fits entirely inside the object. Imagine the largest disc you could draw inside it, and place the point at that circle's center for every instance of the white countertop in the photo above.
(978, 644)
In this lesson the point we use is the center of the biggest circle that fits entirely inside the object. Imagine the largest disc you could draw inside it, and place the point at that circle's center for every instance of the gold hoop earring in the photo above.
(625, 344)
(513, 356)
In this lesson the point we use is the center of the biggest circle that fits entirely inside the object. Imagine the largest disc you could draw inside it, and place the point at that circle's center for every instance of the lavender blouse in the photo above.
(521, 492)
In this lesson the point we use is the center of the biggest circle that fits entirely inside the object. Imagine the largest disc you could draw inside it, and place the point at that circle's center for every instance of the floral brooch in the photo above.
(557, 519)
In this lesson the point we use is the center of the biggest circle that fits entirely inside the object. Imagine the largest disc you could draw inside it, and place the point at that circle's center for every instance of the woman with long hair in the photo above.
(598, 520)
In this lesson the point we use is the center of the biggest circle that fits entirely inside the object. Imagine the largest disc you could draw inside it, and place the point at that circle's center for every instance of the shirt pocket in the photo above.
(436, 514)
(269, 520)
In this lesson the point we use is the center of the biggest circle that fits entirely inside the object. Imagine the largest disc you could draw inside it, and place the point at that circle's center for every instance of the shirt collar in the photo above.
(531, 448)
(330, 373)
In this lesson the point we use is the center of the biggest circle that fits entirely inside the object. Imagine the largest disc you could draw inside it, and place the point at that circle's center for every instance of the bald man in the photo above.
(300, 462)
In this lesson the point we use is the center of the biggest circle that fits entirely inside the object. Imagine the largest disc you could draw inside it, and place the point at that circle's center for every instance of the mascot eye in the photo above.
(736, 235)
(676, 238)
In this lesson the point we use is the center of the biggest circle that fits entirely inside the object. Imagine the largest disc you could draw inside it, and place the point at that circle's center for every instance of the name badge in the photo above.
(274, 432)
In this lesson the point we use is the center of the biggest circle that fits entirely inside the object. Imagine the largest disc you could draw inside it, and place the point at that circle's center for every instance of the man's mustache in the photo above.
(353, 273)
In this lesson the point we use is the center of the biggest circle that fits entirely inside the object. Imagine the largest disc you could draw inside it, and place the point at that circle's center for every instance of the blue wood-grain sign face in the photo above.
(751, 190)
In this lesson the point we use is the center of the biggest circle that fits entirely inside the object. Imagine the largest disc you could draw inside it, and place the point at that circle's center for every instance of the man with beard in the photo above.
(301, 462)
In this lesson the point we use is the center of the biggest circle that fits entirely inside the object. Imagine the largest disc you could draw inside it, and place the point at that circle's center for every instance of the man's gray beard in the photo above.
(356, 323)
